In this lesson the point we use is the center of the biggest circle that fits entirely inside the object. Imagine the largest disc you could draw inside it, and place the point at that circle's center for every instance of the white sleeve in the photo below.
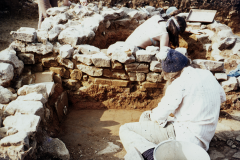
(169, 103)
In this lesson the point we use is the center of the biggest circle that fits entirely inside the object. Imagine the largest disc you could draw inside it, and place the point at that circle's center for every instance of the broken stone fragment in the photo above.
(20, 138)
(87, 49)
(58, 70)
(221, 76)
(18, 46)
(25, 107)
(203, 38)
(65, 62)
(6, 96)
(116, 65)
(32, 97)
(38, 88)
(209, 65)
(55, 31)
(45, 76)
(50, 62)
(227, 43)
(112, 14)
(66, 51)
(182, 50)
(154, 77)
(101, 60)
(42, 36)
(92, 71)
(27, 58)
(144, 56)
(134, 14)
(230, 85)
(25, 34)
(56, 10)
(155, 66)
(137, 67)
(71, 84)
(86, 59)
(39, 48)
(69, 36)
(6, 74)
(76, 74)
(118, 74)
(92, 22)
(27, 123)
(133, 76)
(7, 56)
(55, 148)
(50, 87)
(122, 52)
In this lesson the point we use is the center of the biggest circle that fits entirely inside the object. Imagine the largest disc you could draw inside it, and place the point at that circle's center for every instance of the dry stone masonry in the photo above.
(79, 55)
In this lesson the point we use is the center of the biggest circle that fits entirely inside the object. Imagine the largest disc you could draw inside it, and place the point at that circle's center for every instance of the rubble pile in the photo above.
(63, 60)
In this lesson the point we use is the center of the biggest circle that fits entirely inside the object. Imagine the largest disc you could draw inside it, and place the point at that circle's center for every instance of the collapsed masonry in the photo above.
(42, 69)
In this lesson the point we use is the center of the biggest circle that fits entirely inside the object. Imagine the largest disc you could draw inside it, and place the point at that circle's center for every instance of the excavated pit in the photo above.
(97, 106)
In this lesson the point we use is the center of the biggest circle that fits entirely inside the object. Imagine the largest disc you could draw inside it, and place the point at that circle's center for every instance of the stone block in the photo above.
(209, 65)
(76, 74)
(227, 43)
(230, 85)
(90, 70)
(27, 58)
(182, 50)
(38, 88)
(154, 77)
(25, 107)
(25, 34)
(203, 38)
(137, 67)
(58, 70)
(66, 51)
(18, 46)
(221, 76)
(50, 62)
(147, 85)
(134, 14)
(120, 83)
(42, 36)
(112, 14)
(50, 86)
(133, 76)
(101, 60)
(57, 78)
(18, 139)
(71, 84)
(27, 123)
(45, 76)
(7, 73)
(225, 34)
(116, 65)
(155, 66)
(55, 31)
(87, 49)
(86, 59)
(122, 52)
(236, 49)
(103, 81)
(32, 97)
(144, 56)
(69, 36)
(65, 62)
(39, 48)
(6, 96)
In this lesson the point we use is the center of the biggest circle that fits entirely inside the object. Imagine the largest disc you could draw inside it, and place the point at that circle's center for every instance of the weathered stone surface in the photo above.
(221, 76)
(92, 71)
(27, 58)
(120, 83)
(101, 60)
(50, 62)
(227, 43)
(20, 138)
(38, 88)
(236, 155)
(66, 51)
(55, 31)
(27, 123)
(25, 107)
(236, 49)
(86, 59)
(137, 67)
(230, 85)
(118, 74)
(69, 36)
(39, 48)
(154, 77)
(182, 50)
(225, 34)
(134, 14)
(144, 56)
(6, 74)
(42, 36)
(56, 10)
(112, 14)
(152, 85)
(65, 62)
(122, 52)
(6, 96)
(87, 49)
(32, 97)
(155, 66)
(116, 65)
(133, 76)
(58, 70)
(71, 84)
(203, 38)
(25, 34)
(50, 86)
(45, 76)
(92, 23)
(76, 74)
(7, 56)
(214, 154)
(18, 46)
(209, 65)
(55, 148)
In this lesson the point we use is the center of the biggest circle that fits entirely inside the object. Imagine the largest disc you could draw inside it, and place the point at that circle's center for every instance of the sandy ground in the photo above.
(93, 134)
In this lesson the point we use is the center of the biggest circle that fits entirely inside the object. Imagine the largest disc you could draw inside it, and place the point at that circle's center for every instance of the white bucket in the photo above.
(179, 150)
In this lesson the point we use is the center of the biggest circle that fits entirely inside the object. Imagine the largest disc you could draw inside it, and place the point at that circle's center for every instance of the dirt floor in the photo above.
(93, 134)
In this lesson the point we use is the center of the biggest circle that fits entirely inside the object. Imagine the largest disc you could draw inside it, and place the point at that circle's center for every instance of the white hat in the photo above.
(179, 150)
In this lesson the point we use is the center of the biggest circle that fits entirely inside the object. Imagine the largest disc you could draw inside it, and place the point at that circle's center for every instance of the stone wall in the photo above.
(80, 56)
